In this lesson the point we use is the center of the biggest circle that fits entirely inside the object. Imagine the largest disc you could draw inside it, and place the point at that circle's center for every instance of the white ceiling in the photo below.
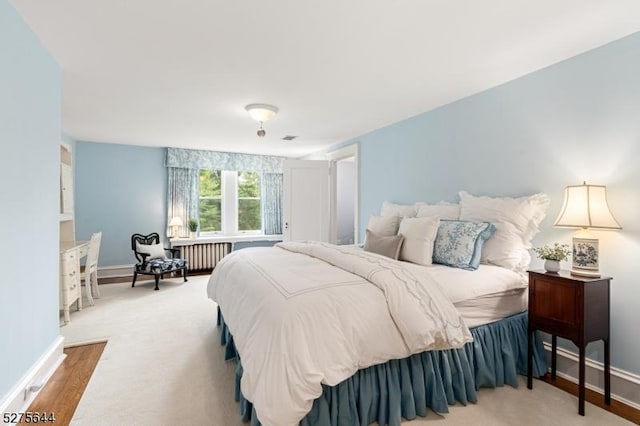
(179, 72)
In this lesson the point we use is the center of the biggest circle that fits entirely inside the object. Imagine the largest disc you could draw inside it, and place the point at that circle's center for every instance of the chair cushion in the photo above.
(160, 266)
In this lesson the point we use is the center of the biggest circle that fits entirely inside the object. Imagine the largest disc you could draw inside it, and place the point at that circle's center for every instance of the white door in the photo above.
(306, 200)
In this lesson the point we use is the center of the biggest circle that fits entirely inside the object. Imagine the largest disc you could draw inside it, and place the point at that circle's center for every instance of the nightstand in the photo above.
(575, 308)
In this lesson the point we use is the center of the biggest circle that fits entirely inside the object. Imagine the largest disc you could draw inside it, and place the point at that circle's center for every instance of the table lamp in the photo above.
(174, 225)
(585, 206)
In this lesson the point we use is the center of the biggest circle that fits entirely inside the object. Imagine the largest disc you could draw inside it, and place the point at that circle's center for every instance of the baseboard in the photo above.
(19, 397)
(115, 271)
(625, 386)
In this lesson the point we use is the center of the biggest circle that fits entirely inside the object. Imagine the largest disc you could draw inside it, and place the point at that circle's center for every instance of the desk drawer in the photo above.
(71, 280)
(69, 277)
(69, 256)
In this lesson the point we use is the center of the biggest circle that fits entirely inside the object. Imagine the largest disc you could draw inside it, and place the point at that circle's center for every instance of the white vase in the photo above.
(193, 234)
(551, 265)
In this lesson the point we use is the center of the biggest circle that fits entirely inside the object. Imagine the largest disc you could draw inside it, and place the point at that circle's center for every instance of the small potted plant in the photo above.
(193, 227)
(553, 255)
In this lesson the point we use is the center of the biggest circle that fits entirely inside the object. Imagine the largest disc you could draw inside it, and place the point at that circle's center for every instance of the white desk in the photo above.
(70, 254)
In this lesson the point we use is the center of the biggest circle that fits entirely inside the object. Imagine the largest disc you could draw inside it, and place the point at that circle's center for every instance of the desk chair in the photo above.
(90, 274)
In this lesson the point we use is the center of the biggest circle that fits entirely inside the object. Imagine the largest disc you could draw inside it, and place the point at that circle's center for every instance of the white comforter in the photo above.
(299, 322)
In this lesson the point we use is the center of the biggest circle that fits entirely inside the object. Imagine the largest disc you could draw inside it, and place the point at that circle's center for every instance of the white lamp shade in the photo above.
(585, 206)
(261, 112)
(175, 221)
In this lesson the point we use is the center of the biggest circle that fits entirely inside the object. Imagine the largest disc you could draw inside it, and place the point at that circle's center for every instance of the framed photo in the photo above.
(585, 254)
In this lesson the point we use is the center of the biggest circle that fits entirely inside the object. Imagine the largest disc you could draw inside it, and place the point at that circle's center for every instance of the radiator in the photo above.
(202, 257)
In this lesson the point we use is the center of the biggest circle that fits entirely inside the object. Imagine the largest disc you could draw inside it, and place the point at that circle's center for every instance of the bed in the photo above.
(329, 335)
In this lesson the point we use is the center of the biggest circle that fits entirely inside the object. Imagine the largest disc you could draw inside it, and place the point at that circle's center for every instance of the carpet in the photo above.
(163, 365)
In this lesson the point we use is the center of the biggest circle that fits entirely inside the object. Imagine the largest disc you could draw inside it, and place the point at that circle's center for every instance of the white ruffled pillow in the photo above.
(400, 210)
(516, 220)
(385, 226)
(419, 235)
(442, 210)
(155, 251)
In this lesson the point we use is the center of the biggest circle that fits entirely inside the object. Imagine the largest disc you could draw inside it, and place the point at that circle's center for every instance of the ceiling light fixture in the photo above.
(261, 113)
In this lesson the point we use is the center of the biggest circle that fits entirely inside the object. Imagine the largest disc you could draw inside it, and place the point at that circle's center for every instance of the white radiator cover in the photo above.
(202, 257)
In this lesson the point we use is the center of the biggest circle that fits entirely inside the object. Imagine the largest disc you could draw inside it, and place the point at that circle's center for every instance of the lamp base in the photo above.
(585, 273)
(586, 255)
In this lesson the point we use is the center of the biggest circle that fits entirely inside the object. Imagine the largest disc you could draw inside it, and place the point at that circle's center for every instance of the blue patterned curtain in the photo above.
(272, 203)
(182, 195)
(214, 160)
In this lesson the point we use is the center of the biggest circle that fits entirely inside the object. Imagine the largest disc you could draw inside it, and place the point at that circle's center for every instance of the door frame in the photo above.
(348, 151)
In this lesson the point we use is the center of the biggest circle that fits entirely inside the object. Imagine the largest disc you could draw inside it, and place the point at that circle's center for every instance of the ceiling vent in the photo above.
(289, 138)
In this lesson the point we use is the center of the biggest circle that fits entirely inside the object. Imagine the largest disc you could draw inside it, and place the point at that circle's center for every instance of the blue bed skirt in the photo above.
(385, 393)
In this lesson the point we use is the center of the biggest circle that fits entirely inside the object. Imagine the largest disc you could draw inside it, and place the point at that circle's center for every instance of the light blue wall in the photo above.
(577, 120)
(29, 222)
(120, 190)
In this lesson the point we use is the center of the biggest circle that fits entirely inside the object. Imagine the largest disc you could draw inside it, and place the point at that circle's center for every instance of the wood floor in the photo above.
(595, 398)
(63, 391)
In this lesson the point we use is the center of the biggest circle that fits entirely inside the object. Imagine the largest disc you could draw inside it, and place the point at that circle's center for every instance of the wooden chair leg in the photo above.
(135, 275)
(184, 275)
(87, 290)
(94, 285)
(157, 279)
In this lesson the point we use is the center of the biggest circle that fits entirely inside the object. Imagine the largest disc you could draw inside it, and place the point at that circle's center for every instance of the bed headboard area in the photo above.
(495, 230)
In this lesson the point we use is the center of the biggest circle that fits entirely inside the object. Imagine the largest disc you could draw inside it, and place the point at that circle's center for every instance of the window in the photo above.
(249, 212)
(229, 202)
(210, 201)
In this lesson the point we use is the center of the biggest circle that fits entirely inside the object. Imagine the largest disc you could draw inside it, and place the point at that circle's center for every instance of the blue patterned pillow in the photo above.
(459, 243)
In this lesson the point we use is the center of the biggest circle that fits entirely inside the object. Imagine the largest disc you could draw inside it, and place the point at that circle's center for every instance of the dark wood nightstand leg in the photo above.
(607, 373)
(581, 381)
(554, 355)
(530, 360)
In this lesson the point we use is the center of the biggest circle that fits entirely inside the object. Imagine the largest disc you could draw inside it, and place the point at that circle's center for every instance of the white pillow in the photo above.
(525, 213)
(419, 235)
(385, 226)
(516, 220)
(400, 210)
(506, 248)
(155, 251)
(442, 210)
